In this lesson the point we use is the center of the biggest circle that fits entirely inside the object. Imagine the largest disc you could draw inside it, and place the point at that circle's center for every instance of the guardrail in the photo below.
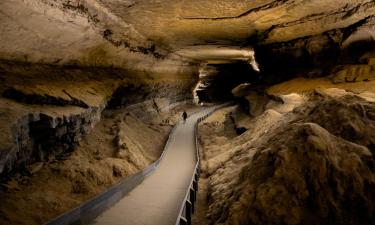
(88, 211)
(188, 205)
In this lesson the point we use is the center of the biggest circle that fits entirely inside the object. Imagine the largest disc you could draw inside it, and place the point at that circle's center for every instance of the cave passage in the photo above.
(216, 81)
(160, 196)
(222, 68)
(90, 91)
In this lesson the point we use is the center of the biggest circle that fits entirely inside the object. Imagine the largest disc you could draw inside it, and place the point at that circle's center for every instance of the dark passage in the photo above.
(218, 81)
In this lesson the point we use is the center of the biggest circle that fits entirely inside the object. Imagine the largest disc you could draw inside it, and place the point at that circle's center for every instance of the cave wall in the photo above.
(62, 63)
(46, 109)
(64, 60)
(318, 55)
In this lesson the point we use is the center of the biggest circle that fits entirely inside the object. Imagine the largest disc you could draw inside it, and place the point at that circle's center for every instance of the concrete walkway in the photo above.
(157, 200)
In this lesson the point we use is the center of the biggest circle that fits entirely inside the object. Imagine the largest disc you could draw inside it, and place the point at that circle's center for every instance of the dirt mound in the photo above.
(351, 118)
(306, 176)
(313, 165)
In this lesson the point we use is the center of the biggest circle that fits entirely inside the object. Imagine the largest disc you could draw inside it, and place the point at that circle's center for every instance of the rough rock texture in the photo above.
(191, 22)
(124, 33)
(123, 142)
(69, 32)
(355, 73)
(102, 158)
(309, 163)
(64, 62)
(47, 109)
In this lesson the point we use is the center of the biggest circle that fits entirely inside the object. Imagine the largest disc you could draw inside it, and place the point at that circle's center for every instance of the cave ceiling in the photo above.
(103, 28)
(179, 23)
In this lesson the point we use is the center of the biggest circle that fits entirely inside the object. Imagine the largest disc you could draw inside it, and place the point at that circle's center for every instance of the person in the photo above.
(184, 116)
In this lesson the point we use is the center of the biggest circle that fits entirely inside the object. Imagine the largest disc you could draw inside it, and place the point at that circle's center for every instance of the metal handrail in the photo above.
(89, 210)
(188, 205)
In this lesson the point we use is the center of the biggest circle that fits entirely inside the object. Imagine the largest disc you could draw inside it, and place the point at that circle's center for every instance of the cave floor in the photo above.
(157, 200)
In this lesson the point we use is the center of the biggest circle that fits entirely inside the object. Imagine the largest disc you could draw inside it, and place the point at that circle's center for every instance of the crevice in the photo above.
(369, 20)
(262, 36)
(239, 129)
(76, 101)
(315, 17)
(81, 9)
(107, 35)
(271, 5)
(36, 99)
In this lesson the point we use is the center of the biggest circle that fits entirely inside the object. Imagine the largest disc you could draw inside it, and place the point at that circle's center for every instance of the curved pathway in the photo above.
(157, 200)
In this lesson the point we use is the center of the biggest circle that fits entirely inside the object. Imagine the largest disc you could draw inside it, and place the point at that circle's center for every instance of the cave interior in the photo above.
(91, 89)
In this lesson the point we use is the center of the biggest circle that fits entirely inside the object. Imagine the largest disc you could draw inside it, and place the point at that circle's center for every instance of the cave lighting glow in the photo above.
(200, 84)
(212, 54)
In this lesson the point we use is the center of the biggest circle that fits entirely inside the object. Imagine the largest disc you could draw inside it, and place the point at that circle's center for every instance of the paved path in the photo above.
(157, 200)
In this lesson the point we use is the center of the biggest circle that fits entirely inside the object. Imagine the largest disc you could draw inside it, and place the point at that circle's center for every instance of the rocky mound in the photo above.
(313, 165)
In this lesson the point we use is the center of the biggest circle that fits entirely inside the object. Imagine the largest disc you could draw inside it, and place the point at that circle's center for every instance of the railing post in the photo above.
(183, 221)
(188, 208)
(195, 185)
(192, 199)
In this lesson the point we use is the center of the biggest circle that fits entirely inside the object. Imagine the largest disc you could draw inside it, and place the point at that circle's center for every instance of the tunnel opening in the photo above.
(216, 81)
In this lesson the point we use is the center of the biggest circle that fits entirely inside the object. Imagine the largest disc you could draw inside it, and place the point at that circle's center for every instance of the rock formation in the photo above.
(68, 68)
(312, 163)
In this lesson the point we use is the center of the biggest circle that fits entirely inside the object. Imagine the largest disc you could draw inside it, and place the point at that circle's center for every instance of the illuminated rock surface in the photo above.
(79, 74)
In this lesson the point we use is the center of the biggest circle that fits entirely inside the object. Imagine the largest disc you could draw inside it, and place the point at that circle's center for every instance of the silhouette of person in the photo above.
(184, 116)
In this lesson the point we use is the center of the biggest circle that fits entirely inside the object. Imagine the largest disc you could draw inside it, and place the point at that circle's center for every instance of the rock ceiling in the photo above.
(180, 23)
(106, 31)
